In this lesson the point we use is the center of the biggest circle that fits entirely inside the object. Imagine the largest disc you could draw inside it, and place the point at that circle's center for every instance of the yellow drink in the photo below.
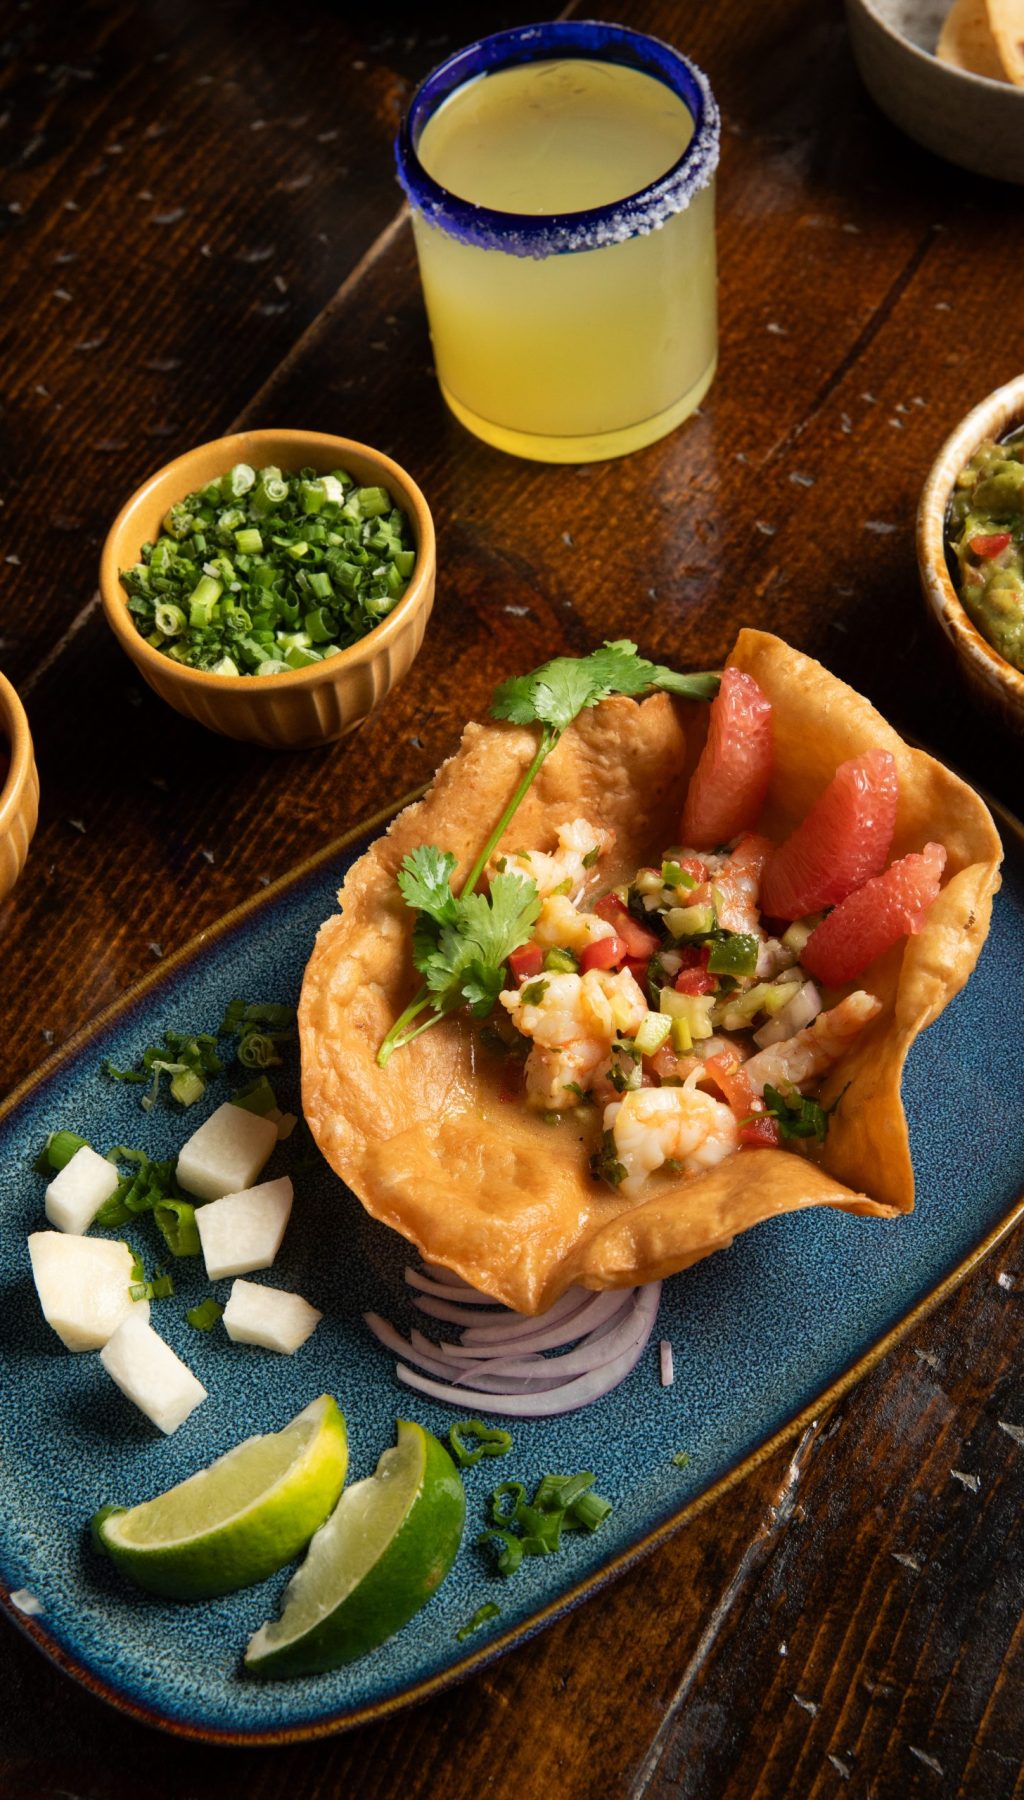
(572, 353)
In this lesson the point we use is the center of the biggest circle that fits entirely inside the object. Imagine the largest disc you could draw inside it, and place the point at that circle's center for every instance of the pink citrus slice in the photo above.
(841, 843)
(868, 922)
(728, 786)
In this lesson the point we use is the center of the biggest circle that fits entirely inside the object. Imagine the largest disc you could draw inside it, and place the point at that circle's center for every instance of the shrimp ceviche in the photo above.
(690, 1005)
(642, 969)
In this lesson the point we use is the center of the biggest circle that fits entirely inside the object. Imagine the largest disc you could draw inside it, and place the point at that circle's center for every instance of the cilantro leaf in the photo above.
(557, 692)
(425, 879)
(797, 1117)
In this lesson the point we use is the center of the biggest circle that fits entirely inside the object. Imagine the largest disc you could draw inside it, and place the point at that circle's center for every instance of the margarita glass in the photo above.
(561, 178)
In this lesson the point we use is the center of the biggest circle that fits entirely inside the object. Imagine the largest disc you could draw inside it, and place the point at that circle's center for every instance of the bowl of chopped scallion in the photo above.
(272, 585)
(19, 787)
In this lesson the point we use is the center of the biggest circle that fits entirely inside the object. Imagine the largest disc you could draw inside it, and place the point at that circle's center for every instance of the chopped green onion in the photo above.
(480, 1617)
(491, 1441)
(176, 1222)
(512, 1491)
(590, 1511)
(681, 1459)
(258, 1097)
(204, 1316)
(512, 1551)
(57, 1151)
(249, 541)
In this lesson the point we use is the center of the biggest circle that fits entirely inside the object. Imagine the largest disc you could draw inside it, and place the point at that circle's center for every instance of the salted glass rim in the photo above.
(553, 234)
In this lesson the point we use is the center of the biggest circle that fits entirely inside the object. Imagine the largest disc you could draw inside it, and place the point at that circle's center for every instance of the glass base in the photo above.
(594, 447)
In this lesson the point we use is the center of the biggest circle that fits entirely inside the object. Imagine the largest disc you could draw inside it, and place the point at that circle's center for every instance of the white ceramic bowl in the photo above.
(963, 117)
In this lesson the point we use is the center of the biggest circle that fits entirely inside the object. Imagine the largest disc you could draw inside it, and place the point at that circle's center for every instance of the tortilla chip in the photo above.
(966, 41)
(486, 1187)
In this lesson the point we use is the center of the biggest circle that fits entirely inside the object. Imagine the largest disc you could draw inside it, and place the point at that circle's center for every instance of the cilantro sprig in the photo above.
(462, 942)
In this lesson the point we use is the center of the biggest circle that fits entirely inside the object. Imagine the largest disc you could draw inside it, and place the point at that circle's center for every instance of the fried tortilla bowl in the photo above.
(483, 1186)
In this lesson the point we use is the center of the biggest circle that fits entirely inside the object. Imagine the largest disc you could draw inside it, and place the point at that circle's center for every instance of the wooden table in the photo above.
(200, 226)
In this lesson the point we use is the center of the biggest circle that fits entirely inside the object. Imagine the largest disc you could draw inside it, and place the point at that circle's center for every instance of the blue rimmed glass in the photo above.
(581, 334)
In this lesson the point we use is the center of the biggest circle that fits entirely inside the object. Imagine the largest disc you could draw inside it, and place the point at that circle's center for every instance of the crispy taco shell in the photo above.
(487, 1188)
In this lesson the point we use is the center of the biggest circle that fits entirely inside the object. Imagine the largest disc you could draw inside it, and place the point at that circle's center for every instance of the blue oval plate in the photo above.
(763, 1335)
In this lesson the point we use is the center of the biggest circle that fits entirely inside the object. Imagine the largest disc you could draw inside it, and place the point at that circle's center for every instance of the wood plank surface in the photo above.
(199, 226)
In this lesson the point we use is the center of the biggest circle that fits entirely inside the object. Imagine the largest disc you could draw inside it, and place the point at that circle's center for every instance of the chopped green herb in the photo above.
(512, 1551)
(797, 1117)
(262, 572)
(534, 992)
(204, 1316)
(491, 1441)
(188, 1060)
(176, 1222)
(604, 1164)
(480, 1617)
(258, 1097)
(591, 857)
(552, 697)
(261, 1028)
(57, 1152)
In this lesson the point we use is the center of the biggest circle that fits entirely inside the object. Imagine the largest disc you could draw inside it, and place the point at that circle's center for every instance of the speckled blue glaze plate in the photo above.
(763, 1333)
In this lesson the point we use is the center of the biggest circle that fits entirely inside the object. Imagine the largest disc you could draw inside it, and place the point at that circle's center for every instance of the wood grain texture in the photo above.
(203, 182)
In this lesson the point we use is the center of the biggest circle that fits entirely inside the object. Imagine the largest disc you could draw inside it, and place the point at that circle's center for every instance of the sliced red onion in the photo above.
(458, 1315)
(448, 1290)
(570, 1322)
(567, 1396)
(599, 1347)
(668, 1373)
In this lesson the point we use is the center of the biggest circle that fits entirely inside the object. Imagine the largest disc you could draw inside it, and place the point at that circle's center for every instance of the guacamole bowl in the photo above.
(992, 681)
(301, 707)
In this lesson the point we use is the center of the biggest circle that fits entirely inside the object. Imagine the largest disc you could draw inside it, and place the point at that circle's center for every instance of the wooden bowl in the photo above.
(992, 681)
(965, 118)
(19, 791)
(304, 707)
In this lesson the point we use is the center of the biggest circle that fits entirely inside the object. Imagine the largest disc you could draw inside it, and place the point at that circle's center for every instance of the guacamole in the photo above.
(986, 537)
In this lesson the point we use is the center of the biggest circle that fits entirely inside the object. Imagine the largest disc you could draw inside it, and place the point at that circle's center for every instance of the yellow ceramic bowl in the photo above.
(19, 790)
(994, 682)
(306, 706)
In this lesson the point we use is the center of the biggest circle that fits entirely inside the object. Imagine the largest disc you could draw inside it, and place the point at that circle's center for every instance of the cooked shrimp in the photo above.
(651, 1125)
(572, 1020)
(738, 885)
(577, 839)
(561, 925)
(810, 1053)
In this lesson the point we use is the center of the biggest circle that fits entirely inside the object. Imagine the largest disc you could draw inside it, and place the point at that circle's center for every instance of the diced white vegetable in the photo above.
(83, 1286)
(243, 1231)
(269, 1316)
(798, 1012)
(226, 1154)
(148, 1372)
(285, 1122)
(75, 1196)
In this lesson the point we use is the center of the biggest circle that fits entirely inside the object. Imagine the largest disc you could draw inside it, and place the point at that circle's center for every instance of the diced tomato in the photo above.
(603, 953)
(638, 941)
(638, 967)
(726, 1071)
(693, 977)
(990, 546)
(762, 1131)
(526, 963)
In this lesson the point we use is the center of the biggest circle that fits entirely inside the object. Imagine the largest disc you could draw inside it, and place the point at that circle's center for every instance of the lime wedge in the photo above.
(388, 1544)
(239, 1520)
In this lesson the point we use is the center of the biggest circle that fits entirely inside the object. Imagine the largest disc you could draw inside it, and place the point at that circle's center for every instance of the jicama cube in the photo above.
(75, 1196)
(148, 1372)
(227, 1153)
(269, 1316)
(244, 1231)
(83, 1286)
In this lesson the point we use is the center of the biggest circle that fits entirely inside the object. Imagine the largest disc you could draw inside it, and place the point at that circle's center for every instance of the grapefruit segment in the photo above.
(843, 841)
(870, 921)
(728, 786)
